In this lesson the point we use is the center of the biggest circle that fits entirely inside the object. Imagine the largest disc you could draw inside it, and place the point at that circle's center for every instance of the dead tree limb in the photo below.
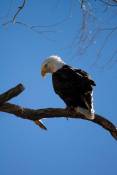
(11, 93)
(37, 114)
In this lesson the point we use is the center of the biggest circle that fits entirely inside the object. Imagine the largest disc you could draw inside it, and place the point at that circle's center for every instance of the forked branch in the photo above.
(37, 114)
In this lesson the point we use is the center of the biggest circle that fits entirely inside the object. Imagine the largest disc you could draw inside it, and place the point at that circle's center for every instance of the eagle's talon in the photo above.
(69, 110)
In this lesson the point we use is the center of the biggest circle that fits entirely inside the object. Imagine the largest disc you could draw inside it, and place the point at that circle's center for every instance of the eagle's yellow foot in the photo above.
(69, 109)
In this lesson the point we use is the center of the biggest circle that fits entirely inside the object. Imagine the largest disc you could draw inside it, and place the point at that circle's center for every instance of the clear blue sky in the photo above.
(69, 147)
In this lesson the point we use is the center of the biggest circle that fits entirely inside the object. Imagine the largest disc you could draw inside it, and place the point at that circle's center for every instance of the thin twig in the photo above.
(13, 20)
(81, 2)
(20, 8)
(108, 3)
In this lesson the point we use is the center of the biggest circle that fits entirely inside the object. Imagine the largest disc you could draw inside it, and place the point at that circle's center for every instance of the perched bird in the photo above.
(74, 86)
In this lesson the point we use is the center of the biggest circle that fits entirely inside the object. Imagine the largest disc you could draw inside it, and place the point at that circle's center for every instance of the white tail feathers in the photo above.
(92, 105)
(86, 113)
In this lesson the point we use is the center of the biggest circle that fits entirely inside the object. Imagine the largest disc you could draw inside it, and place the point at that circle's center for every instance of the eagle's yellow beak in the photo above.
(43, 71)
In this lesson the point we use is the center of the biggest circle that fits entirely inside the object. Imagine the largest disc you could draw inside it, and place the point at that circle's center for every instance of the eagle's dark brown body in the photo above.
(74, 86)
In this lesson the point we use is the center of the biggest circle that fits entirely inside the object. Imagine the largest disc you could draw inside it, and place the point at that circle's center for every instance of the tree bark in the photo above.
(37, 114)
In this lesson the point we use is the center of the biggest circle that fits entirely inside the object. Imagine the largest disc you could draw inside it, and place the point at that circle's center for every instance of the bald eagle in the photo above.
(74, 86)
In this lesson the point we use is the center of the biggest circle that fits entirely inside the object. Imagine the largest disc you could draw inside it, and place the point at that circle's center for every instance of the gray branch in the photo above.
(37, 114)
(11, 93)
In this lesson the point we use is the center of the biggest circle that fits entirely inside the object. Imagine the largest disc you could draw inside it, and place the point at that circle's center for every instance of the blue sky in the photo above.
(69, 147)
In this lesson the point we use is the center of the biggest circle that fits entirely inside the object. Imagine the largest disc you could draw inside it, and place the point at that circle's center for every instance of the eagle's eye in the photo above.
(46, 65)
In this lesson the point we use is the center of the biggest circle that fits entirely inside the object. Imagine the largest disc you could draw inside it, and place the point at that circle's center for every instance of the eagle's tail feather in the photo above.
(86, 113)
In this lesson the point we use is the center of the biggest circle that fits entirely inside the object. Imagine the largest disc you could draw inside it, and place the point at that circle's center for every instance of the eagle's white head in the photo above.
(51, 65)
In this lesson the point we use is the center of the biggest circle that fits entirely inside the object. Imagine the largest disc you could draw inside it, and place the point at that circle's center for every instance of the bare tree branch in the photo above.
(20, 8)
(11, 93)
(37, 114)
(90, 28)
(13, 20)
(109, 3)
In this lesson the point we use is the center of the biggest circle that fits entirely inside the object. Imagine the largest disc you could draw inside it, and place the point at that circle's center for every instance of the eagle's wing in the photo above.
(88, 96)
(74, 86)
(85, 75)
(69, 78)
